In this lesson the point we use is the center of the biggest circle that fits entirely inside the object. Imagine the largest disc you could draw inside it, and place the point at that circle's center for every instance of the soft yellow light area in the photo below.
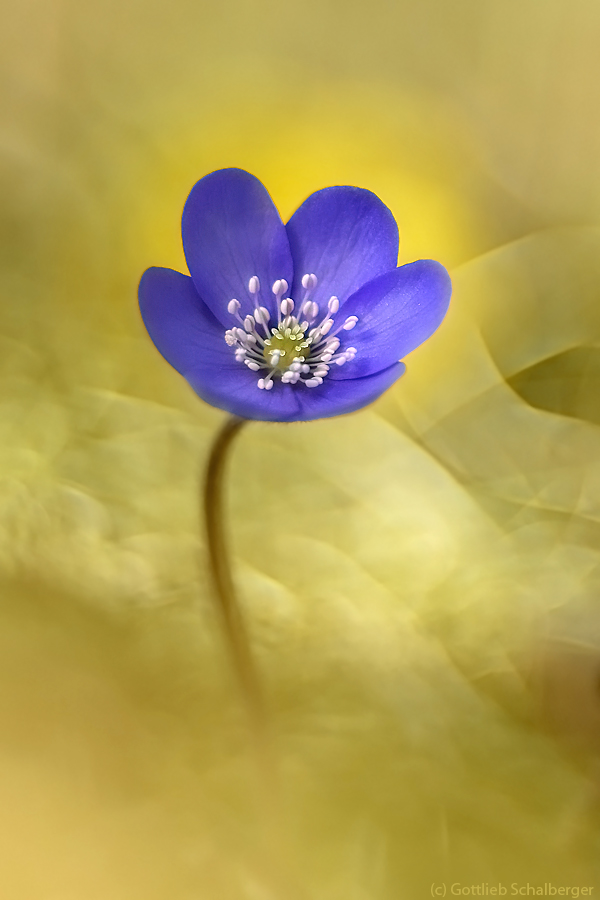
(424, 613)
(419, 165)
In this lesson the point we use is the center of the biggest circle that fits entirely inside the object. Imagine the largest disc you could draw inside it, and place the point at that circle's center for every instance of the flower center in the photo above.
(299, 349)
(287, 345)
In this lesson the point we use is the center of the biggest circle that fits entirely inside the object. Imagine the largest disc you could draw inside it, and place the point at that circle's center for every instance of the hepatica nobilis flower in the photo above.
(290, 322)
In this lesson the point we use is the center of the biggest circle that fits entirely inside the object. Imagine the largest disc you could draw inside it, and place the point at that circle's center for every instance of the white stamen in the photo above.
(311, 310)
(280, 287)
(261, 315)
(297, 349)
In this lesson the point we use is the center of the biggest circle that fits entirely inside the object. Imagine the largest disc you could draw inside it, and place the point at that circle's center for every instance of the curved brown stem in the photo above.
(278, 861)
(227, 604)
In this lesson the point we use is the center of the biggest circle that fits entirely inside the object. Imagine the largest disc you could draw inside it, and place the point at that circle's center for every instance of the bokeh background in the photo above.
(421, 579)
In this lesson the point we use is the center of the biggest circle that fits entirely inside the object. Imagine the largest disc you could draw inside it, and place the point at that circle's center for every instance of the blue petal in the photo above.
(238, 393)
(180, 325)
(396, 312)
(345, 236)
(334, 398)
(232, 231)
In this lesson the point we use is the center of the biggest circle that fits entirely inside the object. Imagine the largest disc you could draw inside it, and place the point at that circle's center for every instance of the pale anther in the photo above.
(311, 310)
(350, 323)
(280, 287)
(309, 281)
(261, 315)
(233, 307)
(254, 285)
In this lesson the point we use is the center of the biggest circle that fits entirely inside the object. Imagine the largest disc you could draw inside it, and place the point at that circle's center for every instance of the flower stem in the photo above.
(278, 860)
(230, 614)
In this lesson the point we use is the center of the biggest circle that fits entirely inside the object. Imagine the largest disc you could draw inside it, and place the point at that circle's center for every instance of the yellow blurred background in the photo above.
(421, 579)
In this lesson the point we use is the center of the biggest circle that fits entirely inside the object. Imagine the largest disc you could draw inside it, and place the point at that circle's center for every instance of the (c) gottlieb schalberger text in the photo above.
(484, 889)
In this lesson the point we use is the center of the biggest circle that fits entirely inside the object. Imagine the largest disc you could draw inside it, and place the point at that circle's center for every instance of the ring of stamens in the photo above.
(296, 350)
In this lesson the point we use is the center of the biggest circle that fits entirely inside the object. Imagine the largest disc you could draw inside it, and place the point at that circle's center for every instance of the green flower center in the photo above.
(288, 343)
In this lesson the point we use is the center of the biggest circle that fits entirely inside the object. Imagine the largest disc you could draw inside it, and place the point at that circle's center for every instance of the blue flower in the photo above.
(290, 322)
